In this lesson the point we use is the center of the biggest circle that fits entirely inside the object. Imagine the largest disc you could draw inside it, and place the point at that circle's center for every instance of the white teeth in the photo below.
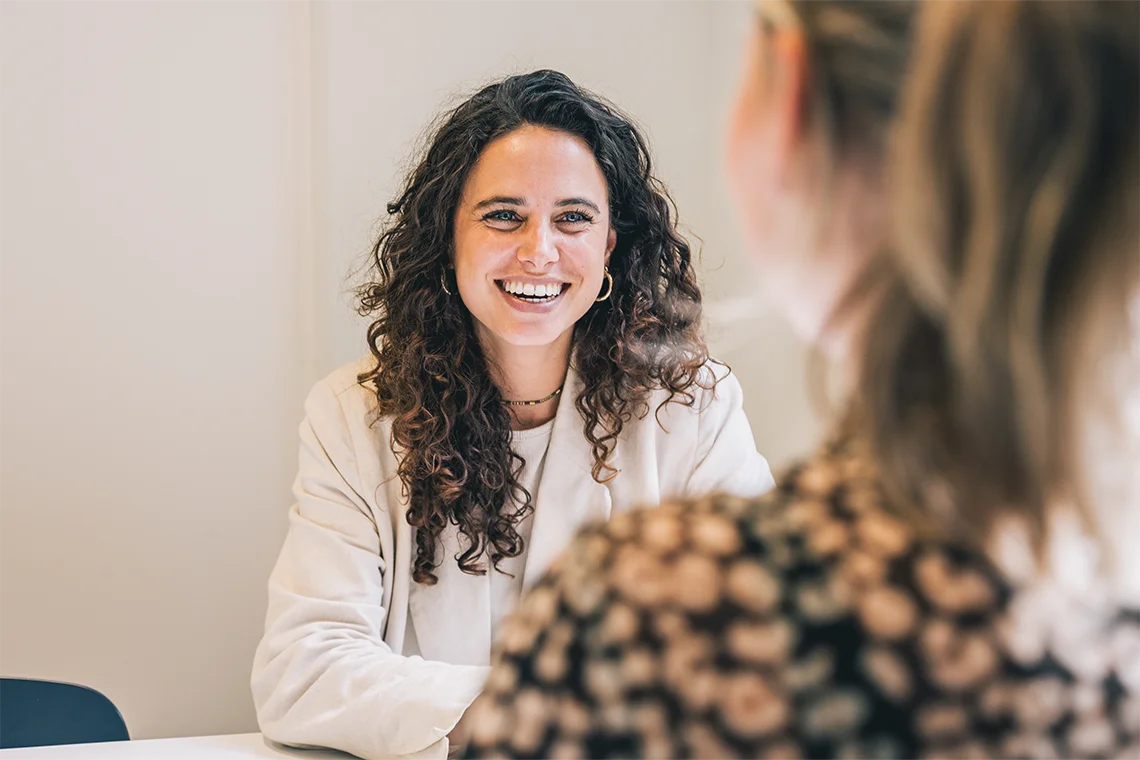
(531, 290)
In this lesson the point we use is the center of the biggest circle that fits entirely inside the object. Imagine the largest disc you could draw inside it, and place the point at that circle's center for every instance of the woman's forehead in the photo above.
(537, 165)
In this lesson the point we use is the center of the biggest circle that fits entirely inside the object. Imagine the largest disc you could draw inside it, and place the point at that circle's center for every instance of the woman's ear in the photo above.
(787, 52)
(611, 241)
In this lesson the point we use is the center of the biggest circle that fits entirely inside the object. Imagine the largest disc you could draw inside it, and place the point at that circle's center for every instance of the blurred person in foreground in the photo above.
(953, 574)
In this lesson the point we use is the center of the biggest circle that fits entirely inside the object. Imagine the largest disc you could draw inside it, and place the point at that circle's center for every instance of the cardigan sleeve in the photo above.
(323, 676)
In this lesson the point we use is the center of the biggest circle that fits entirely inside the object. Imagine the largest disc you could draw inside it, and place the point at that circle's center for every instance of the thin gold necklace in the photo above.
(556, 393)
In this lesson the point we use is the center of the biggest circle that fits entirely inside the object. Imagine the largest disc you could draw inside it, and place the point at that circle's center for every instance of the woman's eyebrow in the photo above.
(500, 200)
(579, 202)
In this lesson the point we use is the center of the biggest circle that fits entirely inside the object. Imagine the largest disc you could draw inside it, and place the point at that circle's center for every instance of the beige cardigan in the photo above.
(336, 667)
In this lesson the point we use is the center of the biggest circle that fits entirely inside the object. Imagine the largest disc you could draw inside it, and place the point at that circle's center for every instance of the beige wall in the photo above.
(150, 191)
(184, 189)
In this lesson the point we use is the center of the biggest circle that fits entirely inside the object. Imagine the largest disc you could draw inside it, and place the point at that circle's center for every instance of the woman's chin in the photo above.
(527, 336)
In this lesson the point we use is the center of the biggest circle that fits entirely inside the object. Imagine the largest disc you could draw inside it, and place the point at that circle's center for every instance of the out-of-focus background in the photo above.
(185, 190)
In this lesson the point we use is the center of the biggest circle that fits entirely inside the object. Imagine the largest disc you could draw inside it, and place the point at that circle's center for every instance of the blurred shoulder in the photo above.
(815, 610)
(825, 545)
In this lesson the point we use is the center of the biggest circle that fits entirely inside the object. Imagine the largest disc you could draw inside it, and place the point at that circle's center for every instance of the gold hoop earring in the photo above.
(609, 287)
(443, 282)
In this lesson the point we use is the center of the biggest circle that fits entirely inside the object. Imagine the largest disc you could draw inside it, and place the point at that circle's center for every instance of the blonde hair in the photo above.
(856, 53)
(1015, 196)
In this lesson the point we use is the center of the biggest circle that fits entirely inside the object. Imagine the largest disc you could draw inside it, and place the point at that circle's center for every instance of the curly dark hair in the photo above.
(449, 426)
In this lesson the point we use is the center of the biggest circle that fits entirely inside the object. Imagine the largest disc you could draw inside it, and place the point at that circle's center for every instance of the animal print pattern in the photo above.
(811, 622)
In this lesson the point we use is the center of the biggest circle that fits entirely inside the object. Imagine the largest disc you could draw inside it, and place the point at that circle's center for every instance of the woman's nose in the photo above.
(539, 249)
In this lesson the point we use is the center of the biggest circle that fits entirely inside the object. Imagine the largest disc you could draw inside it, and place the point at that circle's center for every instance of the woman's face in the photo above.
(774, 175)
(773, 213)
(532, 237)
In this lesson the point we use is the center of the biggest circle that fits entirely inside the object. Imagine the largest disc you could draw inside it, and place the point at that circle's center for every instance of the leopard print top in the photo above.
(807, 623)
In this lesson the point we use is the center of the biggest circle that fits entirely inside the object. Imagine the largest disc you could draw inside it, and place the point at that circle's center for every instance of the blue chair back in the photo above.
(42, 713)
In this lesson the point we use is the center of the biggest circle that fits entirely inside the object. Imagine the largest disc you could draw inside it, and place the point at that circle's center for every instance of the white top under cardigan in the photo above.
(509, 580)
(356, 655)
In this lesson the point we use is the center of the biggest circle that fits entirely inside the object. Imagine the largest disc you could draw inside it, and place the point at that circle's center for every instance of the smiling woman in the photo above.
(536, 364)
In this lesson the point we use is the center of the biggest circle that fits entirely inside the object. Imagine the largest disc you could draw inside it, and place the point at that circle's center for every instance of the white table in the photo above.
(231, 747)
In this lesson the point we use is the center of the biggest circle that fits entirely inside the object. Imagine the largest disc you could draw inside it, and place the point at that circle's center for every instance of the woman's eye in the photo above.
(575, 217)
(504, 215)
